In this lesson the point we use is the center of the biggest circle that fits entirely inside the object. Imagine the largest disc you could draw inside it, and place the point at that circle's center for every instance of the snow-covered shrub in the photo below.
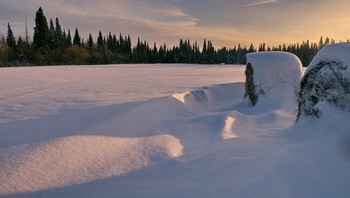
(267, 71)
(326, 82)
(250, 87)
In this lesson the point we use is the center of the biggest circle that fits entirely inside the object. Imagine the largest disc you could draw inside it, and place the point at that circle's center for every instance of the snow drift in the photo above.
(268, 71)
(326, 82)
(200, 98)
(78, 159)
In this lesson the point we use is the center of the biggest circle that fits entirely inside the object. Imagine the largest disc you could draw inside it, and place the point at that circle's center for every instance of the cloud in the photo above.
(166, 21)
(260, 3)
(168, 13)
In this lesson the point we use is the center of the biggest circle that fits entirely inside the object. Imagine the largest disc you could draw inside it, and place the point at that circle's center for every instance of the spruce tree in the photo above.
(115, 44)
(320, 43)
(110, 42)
(10, 39)
(90, 42)
(211, 54)
(69, 39)
(58, 34)
(51, 36)
(100, 41)
(128, 46)
(23, 51)
(41, 31)
(252, 49)
(64, 39)
(204, 52)
(327, 41)
(77, 39)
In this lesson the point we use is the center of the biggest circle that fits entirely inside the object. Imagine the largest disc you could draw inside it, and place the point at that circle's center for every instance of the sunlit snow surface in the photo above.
(31, 91)
(161, 131)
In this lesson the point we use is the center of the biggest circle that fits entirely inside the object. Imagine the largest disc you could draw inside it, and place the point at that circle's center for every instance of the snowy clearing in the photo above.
(161, 131)
(29, 92)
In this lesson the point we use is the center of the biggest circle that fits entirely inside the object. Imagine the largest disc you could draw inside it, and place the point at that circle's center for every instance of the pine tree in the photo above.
(128, 49)
(41, 31)
(90, 42)
(320, 43)
(77, 39)
(251, 48)
(64, 39)
(10, 39)
(262, 47)
(69, 39)
(204, 52)
(51, 36)
(327, 41)
(110, 42)
(211, 54)
(58, 35)
(100, 44)
(23, 51)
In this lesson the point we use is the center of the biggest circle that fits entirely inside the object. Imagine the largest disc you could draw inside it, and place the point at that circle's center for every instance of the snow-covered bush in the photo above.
(326, 82)
(267, 71)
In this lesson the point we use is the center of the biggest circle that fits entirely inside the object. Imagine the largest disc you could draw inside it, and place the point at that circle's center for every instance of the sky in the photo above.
(224, 22)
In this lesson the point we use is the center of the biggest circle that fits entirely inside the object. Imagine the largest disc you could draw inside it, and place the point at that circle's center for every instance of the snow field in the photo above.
(31, 92)
(199, 142)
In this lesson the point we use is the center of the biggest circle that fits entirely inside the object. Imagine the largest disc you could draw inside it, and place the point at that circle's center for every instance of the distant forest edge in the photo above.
(53, 46)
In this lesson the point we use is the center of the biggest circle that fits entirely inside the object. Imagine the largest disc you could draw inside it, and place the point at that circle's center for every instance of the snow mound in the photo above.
(199, 98)
(267, 71)
(326, 83)
(193, 97)
(339, 52)
(78, 159)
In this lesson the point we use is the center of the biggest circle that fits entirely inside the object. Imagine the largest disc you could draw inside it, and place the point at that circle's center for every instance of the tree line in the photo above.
(52, 45)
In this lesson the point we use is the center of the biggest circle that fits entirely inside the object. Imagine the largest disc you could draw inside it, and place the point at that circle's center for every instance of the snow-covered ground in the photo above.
(161, 131)
(29, 92)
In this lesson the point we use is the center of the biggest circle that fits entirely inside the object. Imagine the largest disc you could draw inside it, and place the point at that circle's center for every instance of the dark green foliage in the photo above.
(41, 32)
(76, 39)
(10, 39)
(51, 37)
(100, 43)
(23, 52)
(250, 87)
(59, 40)
(69, 39)
(90, 42)
(4, 53)
(324, 83)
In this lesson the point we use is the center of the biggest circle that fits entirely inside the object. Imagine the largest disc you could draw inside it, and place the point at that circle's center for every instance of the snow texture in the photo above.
(268, 71)
(326, 83)
(198, 142)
